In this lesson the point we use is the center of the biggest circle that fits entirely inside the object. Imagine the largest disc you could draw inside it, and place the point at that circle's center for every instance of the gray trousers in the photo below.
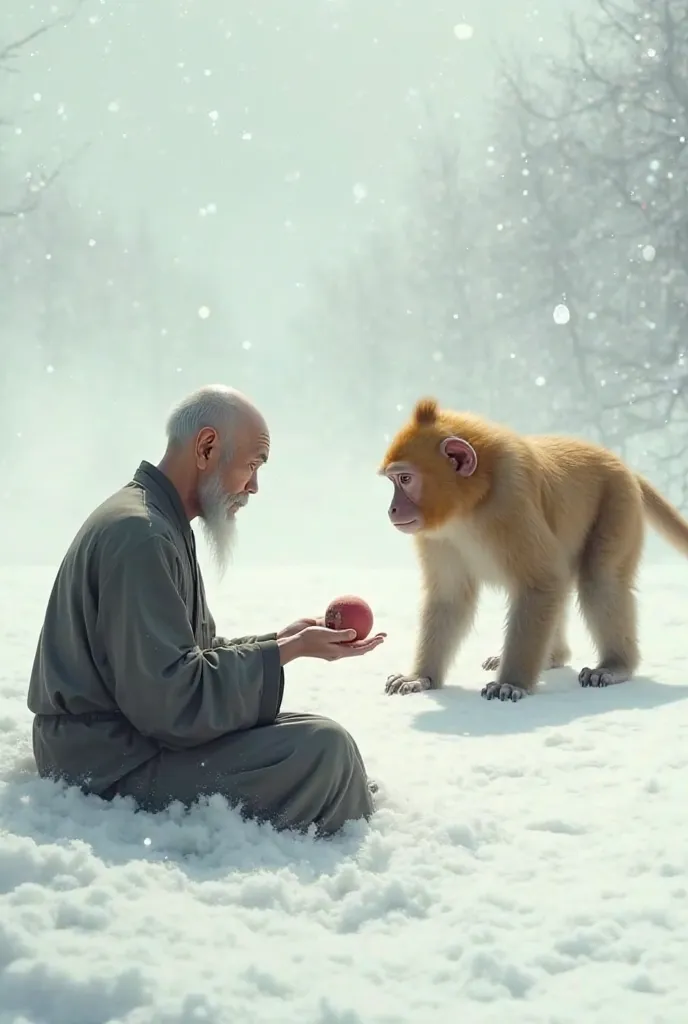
(302, 770)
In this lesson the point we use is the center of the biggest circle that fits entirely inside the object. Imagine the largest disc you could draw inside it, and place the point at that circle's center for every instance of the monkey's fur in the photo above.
(538, 516)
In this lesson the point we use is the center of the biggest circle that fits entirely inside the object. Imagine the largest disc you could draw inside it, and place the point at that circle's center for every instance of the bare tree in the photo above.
(606, 133)
(399, 316)
(539, 296)
(34, 181)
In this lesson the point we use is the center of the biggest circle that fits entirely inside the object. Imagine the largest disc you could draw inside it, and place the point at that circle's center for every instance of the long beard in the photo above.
(217, 520)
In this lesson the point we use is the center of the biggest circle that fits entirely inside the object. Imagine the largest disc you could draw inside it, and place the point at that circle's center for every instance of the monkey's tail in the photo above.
(666, 519)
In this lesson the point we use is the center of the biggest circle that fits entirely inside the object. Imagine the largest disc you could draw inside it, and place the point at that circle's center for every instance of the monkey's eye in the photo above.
(404, 479)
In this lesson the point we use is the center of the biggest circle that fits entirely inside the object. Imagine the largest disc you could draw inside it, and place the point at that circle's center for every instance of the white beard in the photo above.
(217, 520)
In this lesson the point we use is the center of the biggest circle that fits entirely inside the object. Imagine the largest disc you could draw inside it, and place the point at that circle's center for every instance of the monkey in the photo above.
(537, 516)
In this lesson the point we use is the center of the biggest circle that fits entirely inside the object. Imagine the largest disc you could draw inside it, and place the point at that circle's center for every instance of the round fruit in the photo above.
(350, 612)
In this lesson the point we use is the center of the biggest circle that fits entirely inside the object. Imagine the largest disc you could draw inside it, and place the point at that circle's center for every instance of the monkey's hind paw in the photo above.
(407, 684)
(599, 677)
(504, 691)
(492, 664)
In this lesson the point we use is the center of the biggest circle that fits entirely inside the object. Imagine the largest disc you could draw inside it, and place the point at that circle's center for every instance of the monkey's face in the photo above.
(427, 484)
(436, 473)
(405, 511)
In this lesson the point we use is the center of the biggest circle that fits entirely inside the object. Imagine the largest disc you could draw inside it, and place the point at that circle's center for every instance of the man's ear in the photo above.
(205, 443)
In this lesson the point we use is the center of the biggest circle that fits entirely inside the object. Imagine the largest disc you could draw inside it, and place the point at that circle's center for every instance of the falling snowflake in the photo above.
(360, 192)
(649, 253)
(204, 312)
(540, 382)
(463, 31)
(561, 314)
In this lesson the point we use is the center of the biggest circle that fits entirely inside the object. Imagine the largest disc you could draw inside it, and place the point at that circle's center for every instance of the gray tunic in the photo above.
(133, 692)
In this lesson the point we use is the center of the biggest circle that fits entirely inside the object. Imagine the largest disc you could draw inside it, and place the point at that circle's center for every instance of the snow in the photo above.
(463, 32)
(561, 314)
(528, 862)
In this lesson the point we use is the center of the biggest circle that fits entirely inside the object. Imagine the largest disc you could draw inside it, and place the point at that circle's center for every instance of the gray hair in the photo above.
(215, 406)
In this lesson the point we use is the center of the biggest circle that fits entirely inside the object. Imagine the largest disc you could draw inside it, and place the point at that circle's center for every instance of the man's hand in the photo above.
(326, 644)
(297, 627)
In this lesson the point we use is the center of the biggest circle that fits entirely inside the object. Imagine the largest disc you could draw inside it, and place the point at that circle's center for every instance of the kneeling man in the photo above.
(132, 691)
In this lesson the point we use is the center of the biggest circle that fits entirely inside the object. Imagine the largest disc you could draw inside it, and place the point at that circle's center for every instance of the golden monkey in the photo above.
(537, 516)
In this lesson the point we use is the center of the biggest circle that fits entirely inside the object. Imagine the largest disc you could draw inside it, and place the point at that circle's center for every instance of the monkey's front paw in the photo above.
(503, 691)
(407, 684)
(600, 677)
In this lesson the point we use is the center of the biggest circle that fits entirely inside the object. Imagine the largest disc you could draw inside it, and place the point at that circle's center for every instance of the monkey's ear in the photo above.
(461, 453)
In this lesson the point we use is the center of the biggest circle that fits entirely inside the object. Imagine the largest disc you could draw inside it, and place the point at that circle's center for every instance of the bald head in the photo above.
(225, 410)
(217, 440)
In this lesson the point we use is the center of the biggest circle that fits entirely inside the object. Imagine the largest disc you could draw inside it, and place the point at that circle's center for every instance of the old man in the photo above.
(133, 692)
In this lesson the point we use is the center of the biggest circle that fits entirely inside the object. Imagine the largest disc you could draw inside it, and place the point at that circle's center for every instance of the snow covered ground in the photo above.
(528, 863)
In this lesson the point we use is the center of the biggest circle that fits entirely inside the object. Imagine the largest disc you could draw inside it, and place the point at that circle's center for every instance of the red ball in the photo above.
(350, 612)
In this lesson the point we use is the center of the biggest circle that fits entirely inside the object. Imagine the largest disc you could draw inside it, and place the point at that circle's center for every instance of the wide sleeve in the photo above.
(222, 641)
(253, 638)
(167, 687)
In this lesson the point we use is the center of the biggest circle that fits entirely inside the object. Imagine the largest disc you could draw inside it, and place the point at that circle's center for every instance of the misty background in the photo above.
(337, 207)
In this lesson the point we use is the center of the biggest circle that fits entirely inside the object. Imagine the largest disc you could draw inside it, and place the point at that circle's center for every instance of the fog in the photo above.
(234, 192)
